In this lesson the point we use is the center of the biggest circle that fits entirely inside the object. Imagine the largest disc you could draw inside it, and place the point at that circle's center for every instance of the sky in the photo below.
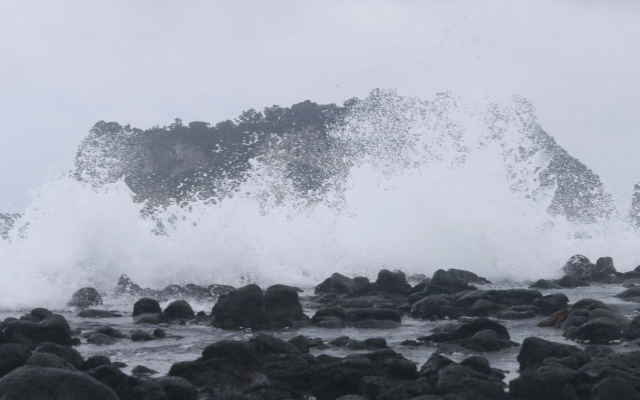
(65, 65)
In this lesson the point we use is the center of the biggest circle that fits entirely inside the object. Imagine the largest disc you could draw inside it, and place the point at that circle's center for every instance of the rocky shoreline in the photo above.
(470, 326)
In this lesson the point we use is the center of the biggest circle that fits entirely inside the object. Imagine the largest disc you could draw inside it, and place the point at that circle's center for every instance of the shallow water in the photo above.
(160, 354)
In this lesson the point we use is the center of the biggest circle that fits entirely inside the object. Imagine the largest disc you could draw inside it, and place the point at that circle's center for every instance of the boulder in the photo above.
(44, 383)
(519, 312)
(615, 388)
(467, 276)
(535, 351)
(569, 282)
(179, 309)
(598, 331)
(392, 282)
(146, 306)
(372, 318)
(67, 353)
(12, 356)
(241, 308)
(49, 360)
(581, 268)
(141, 336)
(85, 298)
(53, 328)
(95, 361)
(153, 319)
(177, 388)
(444, 283)
(545, 284)
(629, 294)
(101, 339)
(437, 306)
(337, 283)
(282, 307)
(552, 303)
(91, 313)
(141, 370)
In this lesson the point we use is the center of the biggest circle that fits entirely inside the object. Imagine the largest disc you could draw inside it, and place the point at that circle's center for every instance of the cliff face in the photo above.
(312, 147)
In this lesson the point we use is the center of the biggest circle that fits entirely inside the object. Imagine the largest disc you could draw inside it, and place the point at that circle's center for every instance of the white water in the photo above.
(398, 212)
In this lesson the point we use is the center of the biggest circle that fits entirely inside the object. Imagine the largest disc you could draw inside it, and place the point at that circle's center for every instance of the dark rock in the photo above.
(477, 363)
(153, 319)
(544, 284)
(98, 314)
(110, 375)
(340, 341)
(530, 386)
(435, 307)
(110, 331)
(535, 350)
(282, 307)
(101, 339)
(301, 343)
(238, 352)
(605, 264)
(329, 322)
(575, 321)
(552, 303)
(353, 344)
(241, 308)
(467, 276)
(519, 312)
(159, 333)
(67, 353)
(177, 388)
(569, 282)
(146, 306)
(469, 329)
(49, 360)
(392, 282)
(481, 308)
(375, 343)
(180, 309)
(41, 313)
(374, 386)
(85, 298)
(149, 389)
(632, 292)
(337, 283)
(53, 328)
(369, 302)
(596, 351)
(269, 345)
(598, 331)
(338, 312)
(53, 383)
(12, 356)
(142, 370)
(173, 291)
(127, 287)
(616, 317)
(444, 283)
(372, 318)
(632, 330)
(581, 268)
(615, 388)
(95, 361)
(141, 336)
(401, 368)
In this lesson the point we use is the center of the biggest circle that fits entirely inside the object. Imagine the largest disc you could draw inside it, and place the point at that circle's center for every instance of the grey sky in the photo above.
(65, 65)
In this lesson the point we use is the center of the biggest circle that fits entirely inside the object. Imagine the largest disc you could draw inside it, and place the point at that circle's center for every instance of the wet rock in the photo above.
(467, 276)
(41, 313)
(159, 333)
(53, 328)
(615, 388)
(605, 264)
(177, 388)
(340, 341)
(630, 294)
(353, 344)
(575, 321)
(180, 309)
(481, 308)
(477, 363)
(126, 287)
(409, 390)
(329, 322)
(596, 351)
(141, 336)
(141, 370)
(153, 319)
(146, 306)
(519, 312)
(85, 298)
(30, 382)
(569, 282)
(598, 331)
(266, 344)
(545, 284)
(392, 282)
(632, 330)
(49, 360)
(12, 356)
(580, 267)
(535, 351)
(91, 313)
(240, 308)
(110, 331)
(218, 290)
(616, 317)
(101, 339)
(438, 306)
(375, 343)
(401, 368)
(110, 375)
(95, 361)
(444, 283)
(369, 302)
(337, 283)
(372, 318)
(67, 353)
(552, 303)
(468, 329)
(282, 307)
(530, 386)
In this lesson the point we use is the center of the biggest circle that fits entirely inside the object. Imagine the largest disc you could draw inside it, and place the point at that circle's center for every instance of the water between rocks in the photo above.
(160, 354)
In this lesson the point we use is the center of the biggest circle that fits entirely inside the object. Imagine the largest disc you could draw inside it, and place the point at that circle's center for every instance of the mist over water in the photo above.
(408, 199)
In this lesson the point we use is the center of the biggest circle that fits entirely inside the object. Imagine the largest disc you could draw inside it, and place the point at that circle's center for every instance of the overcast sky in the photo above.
(65, 65)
